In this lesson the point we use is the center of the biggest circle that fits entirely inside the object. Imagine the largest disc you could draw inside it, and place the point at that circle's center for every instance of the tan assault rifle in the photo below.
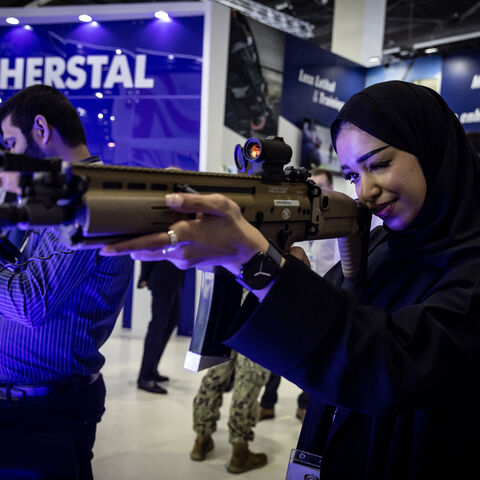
(99, 204)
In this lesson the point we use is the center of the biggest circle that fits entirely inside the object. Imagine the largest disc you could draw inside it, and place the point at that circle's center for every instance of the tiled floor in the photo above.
(144, 436)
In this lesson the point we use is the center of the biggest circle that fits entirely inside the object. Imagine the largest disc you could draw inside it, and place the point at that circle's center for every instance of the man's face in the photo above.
(322, 181)
(17, 142)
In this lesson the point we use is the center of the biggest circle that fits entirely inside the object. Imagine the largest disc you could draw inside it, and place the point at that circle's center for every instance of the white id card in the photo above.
(303, 466)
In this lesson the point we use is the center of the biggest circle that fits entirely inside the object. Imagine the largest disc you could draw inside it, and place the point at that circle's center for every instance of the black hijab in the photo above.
(417, 120)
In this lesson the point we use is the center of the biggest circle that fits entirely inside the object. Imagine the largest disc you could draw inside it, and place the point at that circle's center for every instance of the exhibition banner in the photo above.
(316, 84)
(426, 71)
(136, 84)
(461, 87)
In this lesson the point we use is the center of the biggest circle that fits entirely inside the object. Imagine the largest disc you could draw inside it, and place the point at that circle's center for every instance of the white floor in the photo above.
(144, 436)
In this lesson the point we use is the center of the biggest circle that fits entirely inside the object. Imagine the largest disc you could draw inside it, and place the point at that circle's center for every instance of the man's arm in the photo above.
(43, 279)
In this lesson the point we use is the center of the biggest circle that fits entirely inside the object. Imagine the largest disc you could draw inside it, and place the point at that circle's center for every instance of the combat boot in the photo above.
(203, 445)
(243, 459)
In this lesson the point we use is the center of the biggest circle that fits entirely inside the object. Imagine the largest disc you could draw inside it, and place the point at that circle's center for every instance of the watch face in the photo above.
(259, 271)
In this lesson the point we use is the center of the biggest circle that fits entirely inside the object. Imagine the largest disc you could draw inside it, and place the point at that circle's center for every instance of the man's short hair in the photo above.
(52, 104)
(322, 171)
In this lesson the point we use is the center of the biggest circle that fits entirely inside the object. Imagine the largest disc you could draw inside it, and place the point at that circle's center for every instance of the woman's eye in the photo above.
(351, 177)
(378, 165)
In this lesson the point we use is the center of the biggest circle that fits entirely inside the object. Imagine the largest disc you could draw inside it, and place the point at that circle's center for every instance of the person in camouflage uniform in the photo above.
(249, 378)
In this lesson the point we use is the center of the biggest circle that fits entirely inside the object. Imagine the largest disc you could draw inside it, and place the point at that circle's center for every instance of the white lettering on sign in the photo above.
(53, 70)
(15, 73)
(470, 117)
(475, 82)
(97, 62)
(94, 71)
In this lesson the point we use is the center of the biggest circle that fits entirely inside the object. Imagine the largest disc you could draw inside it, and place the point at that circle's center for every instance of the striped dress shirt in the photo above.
(57, 308)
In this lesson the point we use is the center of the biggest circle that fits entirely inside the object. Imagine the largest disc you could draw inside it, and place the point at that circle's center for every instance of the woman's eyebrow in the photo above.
(369, 154)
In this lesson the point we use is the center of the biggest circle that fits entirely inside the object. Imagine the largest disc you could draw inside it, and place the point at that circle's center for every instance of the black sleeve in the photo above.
(363, 357)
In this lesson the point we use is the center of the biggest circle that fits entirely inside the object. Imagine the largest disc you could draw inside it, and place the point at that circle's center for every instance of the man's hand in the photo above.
(11, 182)
(218, 235)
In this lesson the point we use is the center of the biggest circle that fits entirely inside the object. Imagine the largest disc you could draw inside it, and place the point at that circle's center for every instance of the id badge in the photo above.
(303, 466)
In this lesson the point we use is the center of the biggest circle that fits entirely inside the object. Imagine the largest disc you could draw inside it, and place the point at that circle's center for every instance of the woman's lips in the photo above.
(384, 210)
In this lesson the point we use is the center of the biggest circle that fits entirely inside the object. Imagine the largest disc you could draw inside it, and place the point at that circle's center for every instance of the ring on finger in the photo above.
(173, 238)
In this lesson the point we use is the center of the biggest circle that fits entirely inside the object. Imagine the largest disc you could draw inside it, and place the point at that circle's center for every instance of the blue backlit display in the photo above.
(136, 84)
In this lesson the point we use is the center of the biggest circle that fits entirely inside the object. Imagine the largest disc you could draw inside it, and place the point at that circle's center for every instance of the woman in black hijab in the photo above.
(392, 364)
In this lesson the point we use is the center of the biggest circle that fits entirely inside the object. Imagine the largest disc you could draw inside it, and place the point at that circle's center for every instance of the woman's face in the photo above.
(387, 180)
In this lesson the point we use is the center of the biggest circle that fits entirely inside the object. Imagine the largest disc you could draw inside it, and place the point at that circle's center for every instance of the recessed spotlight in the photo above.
(100, 116)
(12, 20)
(431, 50)
(112, 118)
(118, 51)
(99, 94)
(85, 18)
(163, 16)
(111, 144)
(171, 57)
(94, 23)
(28, 27)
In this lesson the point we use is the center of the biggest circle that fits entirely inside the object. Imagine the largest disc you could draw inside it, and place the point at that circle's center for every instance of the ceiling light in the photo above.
(27, 27)
(431, 50)
(94, 23)
(171, 57)
(85, 18)
(163, 16)
(99, 94)
(118, 51)
(12, 21)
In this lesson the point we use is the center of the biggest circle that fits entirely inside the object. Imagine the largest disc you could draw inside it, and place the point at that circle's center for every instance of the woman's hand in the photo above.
(299, 252)
(218, 235)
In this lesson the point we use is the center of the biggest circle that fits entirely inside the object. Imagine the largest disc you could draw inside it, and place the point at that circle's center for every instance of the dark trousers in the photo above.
(270, 396)
(51, 437)
(165, 313)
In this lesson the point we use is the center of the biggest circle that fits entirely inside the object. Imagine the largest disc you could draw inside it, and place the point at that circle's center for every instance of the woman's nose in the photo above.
(368, 190)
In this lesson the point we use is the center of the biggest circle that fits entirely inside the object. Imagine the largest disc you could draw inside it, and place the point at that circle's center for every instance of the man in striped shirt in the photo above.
(57, 308)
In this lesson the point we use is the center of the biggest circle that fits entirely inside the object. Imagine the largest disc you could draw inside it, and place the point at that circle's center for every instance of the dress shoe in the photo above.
(266, 413)
(160, 378)
(300, 413)
(151, 386)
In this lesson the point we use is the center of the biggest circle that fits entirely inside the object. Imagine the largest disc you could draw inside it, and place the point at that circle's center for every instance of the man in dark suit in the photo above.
(165, 281)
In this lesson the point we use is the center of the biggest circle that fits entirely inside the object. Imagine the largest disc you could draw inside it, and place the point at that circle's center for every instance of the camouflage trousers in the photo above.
(249, 378)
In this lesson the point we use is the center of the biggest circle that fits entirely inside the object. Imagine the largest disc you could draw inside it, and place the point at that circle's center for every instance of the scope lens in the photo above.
(254, 150)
